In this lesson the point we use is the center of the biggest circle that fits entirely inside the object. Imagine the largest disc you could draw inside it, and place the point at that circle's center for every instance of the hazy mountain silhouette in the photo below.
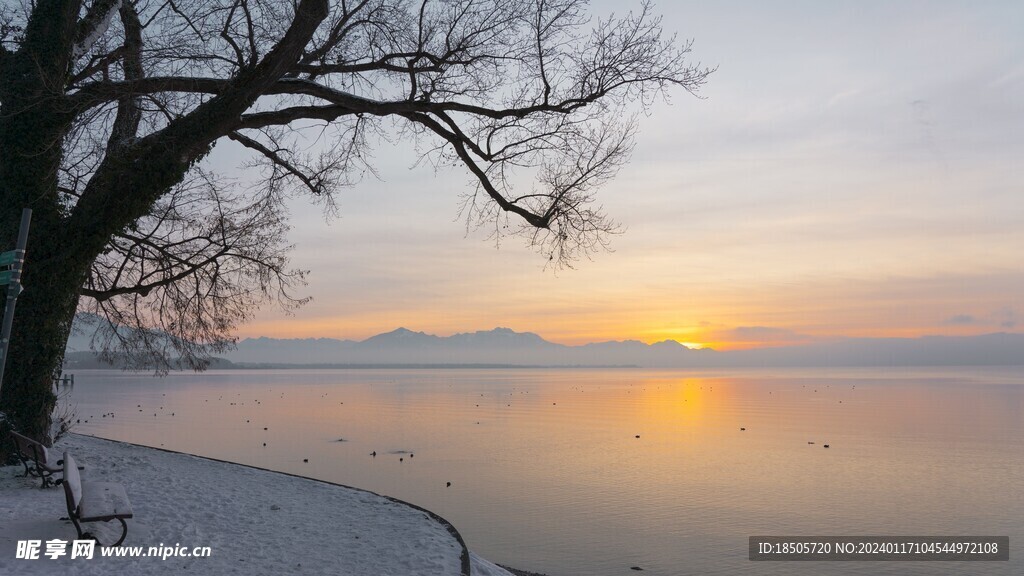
(505, 346)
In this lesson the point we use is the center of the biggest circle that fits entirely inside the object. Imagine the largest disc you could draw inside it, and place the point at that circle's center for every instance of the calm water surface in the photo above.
(547, 472)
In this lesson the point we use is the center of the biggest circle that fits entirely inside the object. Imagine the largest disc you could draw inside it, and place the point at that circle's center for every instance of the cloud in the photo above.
(763, 334)
(961, 320)
(846, 95)
(1010, 77)
(1006, 317)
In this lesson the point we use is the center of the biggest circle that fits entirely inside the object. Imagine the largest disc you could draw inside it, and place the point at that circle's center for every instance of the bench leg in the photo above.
(91, 536)
(124, 532)
(24, 463)
(78, 527)
(30, 468)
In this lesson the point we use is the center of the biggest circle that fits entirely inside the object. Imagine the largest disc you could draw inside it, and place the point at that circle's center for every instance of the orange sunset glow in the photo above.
(850, 200)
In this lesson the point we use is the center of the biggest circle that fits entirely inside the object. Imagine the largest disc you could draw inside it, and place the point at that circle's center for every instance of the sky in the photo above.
(851, 170)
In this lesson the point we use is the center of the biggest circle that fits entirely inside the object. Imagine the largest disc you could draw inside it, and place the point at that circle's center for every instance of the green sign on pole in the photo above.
(9, 257)
(14, 259)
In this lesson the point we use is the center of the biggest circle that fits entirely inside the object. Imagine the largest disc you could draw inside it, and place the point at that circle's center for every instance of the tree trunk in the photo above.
(42, 324)
(33, 124)
(52, 277)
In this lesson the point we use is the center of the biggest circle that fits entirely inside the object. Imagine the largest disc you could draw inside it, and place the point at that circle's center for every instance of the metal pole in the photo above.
(14, 289)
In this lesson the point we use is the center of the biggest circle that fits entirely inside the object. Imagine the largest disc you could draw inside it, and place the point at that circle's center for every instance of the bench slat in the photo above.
(104, 500)
(36, 458)
(72, 481)
(48, 461)
(94, 501)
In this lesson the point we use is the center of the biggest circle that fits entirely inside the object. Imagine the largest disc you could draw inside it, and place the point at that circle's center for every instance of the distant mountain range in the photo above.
(503, 346)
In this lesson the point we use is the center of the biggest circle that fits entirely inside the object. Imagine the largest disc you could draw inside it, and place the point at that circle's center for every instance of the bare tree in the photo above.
(108, 109)
(169, 289)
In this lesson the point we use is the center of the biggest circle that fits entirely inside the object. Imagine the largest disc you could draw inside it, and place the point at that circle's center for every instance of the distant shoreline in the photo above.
(503, 349)
(88, 361)
(74, 362)
(274, 366)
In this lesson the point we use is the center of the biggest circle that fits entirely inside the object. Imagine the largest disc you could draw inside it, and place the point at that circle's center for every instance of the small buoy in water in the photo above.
(401, 459)
(305, 459)
(411, 455)
(448, 485)
(264, 444)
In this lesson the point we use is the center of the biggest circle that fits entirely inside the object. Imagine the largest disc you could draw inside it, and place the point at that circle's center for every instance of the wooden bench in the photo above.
(36, 458)
(94, 501)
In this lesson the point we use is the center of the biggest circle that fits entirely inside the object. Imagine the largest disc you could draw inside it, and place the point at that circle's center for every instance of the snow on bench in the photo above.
(36, 458)
(94, 501)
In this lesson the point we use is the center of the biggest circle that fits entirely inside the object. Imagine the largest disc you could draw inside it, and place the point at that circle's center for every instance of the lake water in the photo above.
(547, 472)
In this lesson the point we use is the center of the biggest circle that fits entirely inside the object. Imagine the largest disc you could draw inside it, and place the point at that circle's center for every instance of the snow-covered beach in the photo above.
(254, 521)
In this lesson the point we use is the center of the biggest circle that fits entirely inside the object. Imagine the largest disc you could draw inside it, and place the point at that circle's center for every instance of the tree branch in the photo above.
(143, 289)
(277, 160)
(49, 35)
(168, 153)
(126, 123)
(460, 149)
(94, 24)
